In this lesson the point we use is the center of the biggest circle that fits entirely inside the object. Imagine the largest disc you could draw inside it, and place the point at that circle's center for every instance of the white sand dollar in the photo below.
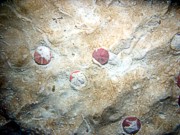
(78, 80)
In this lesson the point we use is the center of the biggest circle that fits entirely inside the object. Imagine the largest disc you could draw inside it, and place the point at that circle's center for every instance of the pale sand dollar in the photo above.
(78, 80)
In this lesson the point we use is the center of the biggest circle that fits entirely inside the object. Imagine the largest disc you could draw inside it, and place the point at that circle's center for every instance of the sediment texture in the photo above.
(139, 79)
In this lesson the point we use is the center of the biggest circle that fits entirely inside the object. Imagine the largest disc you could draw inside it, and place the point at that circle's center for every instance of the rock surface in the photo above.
(138, 80)
(175, 43)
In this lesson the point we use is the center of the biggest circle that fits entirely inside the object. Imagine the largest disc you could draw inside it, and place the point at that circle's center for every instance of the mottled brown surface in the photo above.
(138, 80)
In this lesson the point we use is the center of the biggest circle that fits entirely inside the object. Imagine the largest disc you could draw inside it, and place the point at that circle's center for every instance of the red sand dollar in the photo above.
(131, 125)
(42, 55)
(101, 55)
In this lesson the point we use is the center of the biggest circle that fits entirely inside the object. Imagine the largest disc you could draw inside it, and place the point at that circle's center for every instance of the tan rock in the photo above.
(138, 80)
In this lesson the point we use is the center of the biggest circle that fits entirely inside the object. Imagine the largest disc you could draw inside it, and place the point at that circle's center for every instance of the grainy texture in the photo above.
(138, 80)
